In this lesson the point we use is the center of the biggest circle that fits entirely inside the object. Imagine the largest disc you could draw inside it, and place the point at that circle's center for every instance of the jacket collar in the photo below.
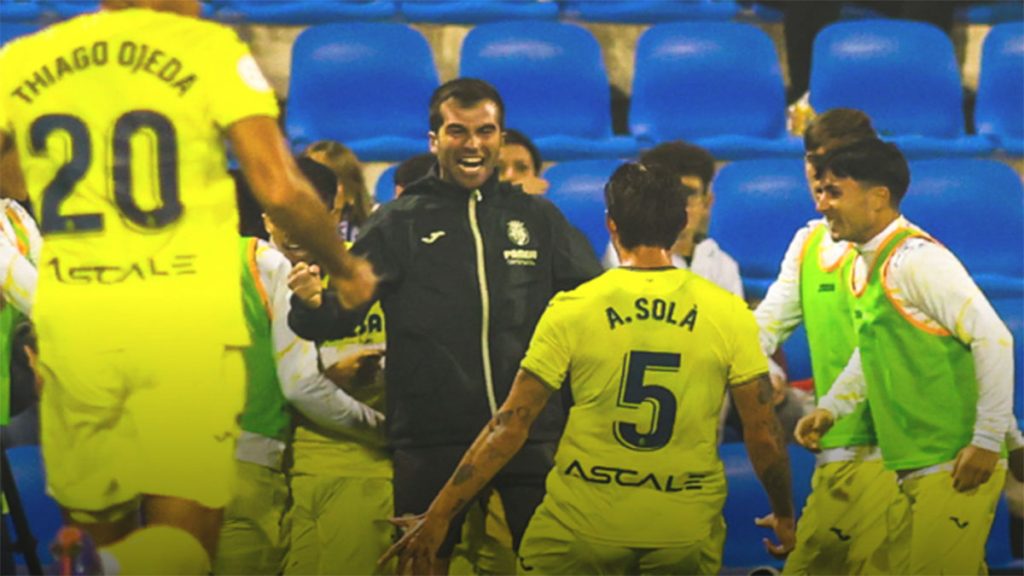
(433, 184)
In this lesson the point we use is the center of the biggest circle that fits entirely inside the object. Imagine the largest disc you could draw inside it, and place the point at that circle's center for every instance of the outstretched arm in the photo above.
(766, 448)
(288, 198)
(497, 443)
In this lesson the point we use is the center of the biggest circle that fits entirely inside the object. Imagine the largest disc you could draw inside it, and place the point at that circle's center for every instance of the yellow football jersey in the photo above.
(119, 121)
(649, 355)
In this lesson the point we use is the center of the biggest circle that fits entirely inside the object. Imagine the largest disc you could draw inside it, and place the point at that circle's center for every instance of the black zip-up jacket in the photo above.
(424, 248)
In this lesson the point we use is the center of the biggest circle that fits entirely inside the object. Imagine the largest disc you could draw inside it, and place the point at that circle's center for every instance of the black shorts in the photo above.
(421, 472)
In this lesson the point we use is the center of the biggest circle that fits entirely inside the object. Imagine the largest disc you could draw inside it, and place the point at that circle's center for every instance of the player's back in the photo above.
(118, 118)
(653, 352)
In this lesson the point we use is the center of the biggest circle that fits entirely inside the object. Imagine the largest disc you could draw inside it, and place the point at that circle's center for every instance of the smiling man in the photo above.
(932, 358)
(467, 266)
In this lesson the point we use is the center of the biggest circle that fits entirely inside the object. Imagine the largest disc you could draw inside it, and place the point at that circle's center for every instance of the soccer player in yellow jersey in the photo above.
(650, 351)
(117, 121)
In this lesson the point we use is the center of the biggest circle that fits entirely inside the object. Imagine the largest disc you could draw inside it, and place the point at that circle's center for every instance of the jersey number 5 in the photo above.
(68, 175)
(633, 393)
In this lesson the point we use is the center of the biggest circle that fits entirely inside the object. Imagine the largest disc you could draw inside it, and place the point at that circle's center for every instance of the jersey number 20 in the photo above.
(68, 175)
(633, 393)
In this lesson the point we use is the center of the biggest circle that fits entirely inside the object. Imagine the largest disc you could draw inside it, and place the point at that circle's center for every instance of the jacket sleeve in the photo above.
(328, 322)
(333, 322)
(574, 260)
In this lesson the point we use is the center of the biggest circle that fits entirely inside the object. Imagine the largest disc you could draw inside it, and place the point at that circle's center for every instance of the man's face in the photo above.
(515, 163)
(849, 207)
(468, 143)
(812, 180)
(698, 209)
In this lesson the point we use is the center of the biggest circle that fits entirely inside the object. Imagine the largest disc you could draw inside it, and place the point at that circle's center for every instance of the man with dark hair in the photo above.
(412, 170)
(520, 163)
(693, 250)
(842, 527)
(933, 358)
(467, 266)
(283, 378)
(638, 486)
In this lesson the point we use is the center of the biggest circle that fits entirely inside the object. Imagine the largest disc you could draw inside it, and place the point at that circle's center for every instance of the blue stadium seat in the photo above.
(1011, 311)
(976, 208)
(303, 12)
(577, 188)
(18, 13)
(759, 205)
(716, 84)
(747, 500)
(904, 75)
(62, 9)
(990, 12)
(999, 108)
(366, 85)
(999, 549)
(798, 354)
(42, 512)
(10, 31)
(552, 78)
(478, 11)
(384, 191)
(647, 12)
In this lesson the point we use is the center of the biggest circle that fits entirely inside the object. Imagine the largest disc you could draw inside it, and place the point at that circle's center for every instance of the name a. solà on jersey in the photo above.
(136, 57)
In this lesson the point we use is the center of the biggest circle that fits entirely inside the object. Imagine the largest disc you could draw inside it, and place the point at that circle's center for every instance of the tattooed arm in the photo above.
(766, 448)
(497, 443)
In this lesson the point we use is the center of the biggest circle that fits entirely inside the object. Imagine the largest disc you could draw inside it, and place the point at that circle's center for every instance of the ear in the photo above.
(432, 139)
(882, 196)
(710, 197)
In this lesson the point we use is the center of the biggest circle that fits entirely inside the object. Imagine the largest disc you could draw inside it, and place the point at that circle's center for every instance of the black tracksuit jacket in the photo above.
(425, 248)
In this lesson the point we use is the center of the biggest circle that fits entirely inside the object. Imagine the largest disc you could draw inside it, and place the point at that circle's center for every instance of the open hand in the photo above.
(417, 549)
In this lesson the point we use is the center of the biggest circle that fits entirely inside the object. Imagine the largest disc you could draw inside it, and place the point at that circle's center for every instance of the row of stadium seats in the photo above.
(746, 500)
(306, 12)
(716, 84)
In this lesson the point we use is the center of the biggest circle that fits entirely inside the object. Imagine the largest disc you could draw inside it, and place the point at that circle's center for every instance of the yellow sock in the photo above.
(157, 550)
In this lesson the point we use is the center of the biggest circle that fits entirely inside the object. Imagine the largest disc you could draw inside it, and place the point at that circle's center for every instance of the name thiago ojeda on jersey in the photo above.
(139, 57)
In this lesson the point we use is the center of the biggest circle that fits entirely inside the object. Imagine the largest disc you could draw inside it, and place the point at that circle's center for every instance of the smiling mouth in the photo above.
(471, 163)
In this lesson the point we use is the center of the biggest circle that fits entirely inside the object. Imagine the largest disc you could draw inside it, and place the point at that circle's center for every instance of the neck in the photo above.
(684, 247)
(883, 223)
(645, 257)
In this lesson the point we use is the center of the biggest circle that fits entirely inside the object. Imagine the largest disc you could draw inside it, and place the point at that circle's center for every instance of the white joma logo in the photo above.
(433, 237)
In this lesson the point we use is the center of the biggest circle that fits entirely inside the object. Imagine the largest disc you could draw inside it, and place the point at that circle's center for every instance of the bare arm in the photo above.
(497, 443)
(12, 181)
(766, 448)
(287, 197)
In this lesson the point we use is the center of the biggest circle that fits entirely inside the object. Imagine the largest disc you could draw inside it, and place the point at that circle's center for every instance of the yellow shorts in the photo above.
(338, 525)
(159, 418)
(549, 547)
(843, 528)
(945, 530)
(251, 536)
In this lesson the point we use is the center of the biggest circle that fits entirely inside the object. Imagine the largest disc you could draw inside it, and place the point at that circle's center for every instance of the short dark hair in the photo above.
(682, 159)
(870, 161)
(466, 92)
(515, 137)
(647, 204)
(412, 169)
(837, 127)
(321, 177)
